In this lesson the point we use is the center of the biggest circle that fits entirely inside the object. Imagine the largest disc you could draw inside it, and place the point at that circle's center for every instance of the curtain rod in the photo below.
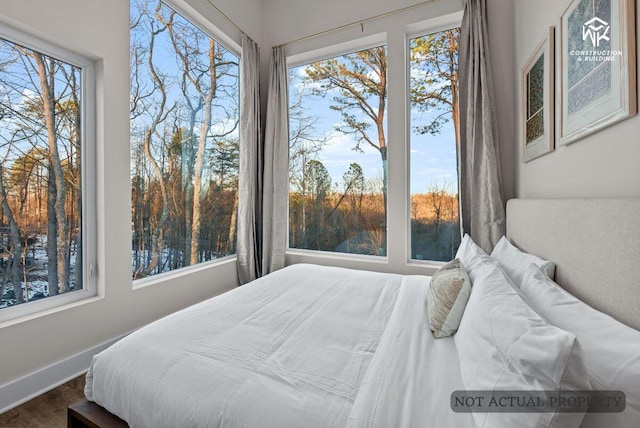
(227, 18)
(360, 22)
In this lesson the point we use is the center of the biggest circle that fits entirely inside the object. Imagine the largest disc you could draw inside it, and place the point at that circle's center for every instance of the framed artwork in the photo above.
(598, 64)
(538, 100)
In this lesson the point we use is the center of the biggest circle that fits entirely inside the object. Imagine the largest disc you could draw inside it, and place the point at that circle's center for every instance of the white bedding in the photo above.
(412, 375)
(288, 350)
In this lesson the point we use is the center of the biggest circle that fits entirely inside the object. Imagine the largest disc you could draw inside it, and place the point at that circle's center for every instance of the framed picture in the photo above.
(598, 63)
(538, 101)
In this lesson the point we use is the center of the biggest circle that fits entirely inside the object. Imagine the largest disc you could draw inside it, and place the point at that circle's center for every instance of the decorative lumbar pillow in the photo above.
(515, 261)
(448, 295)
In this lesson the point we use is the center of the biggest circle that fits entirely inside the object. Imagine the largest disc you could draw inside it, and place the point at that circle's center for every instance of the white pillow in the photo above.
(503, 344)
(473, 258)
(611, 349)
(515, 261)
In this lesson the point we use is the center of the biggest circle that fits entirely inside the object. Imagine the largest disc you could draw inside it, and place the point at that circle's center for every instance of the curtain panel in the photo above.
(250, 169)
(481, 203)
(276, 165)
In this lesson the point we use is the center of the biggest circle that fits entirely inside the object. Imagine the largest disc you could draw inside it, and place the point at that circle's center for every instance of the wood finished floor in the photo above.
(49, 410)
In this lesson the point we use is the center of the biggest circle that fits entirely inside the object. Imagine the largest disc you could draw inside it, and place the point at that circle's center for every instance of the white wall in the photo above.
(501, 43)
(304, 18)
(100, 30)
(604, 164)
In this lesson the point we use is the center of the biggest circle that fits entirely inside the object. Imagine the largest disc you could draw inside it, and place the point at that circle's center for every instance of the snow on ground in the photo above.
(37, 272)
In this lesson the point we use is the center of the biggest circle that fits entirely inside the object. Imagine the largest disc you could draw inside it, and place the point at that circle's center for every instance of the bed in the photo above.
(305, 346)
(312, 346)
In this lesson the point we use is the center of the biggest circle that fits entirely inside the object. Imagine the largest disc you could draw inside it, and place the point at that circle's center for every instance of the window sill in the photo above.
(179, 273)
(337, 256)
(428, 264)
(355, 261)
(45, 312)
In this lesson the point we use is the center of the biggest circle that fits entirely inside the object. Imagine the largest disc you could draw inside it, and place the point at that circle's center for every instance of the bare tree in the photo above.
(157, 238)
(434, 79)
(176, 199)
(40, 131)
(304, 142)
(436, 196)
(15, 261)
(360, 80)
(199, 86)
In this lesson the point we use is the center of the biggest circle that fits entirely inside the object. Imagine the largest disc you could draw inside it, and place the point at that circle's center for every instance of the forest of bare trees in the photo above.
(184, 142)
(185, 148)
(184, 156)
(40, 175)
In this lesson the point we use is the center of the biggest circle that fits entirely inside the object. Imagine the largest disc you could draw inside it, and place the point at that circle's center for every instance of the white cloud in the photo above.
(338, 154)
(301, 83)
(224, 126)
(28, 95)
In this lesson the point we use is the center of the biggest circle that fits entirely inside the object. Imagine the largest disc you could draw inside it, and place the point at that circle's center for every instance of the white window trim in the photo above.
(88, 168)
(210, 25)
(337, 256)
(392, 32)
(163, 277)
(333, 51)
(329, 52)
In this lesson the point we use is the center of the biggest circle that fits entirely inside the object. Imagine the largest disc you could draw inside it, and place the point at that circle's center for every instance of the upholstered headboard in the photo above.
(595, 244)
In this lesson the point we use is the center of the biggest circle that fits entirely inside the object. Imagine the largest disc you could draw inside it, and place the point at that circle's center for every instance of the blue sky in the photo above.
(168, 64)
(433, 158)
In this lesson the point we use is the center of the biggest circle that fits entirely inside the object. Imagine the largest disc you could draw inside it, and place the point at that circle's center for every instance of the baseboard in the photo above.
(21, 390)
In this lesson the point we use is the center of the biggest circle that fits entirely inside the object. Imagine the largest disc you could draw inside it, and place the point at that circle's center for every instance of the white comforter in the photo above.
(307, 346)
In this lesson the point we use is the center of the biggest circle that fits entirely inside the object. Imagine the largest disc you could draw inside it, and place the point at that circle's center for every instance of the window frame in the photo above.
(435, 25)
(395, 32)
(88, 100)
(209, 26)
(324, 53)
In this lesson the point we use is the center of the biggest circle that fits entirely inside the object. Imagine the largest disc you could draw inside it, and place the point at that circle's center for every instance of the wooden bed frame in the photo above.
(604, 272)
(86, 414)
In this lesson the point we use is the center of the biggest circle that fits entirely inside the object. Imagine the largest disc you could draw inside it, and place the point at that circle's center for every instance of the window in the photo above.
(435, 227)
(184, 142)
(338, 154)
(47, 222)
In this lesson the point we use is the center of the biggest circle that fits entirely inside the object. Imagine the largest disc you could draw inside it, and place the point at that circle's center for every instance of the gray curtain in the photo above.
(250, 169)
(481, 205)
(276, 165)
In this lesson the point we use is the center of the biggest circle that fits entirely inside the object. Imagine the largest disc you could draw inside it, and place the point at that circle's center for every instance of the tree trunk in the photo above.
(453, 55)
(48, 102)
(383, 153)
(52, 235)
(157, 243)
(197, 170)
(4, 280)
(15, 262)
(231, 246)
(187, 173)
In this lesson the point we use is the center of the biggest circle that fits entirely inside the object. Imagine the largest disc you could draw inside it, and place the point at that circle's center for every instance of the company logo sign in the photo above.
(596, 30)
